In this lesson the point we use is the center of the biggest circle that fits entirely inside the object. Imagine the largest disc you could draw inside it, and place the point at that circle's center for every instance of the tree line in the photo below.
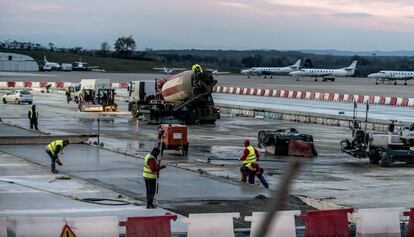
(229, 60)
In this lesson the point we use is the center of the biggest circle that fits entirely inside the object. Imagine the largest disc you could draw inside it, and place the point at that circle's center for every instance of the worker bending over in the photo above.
(151, 174)
(54, 149)
(33, 116)
(250, 167)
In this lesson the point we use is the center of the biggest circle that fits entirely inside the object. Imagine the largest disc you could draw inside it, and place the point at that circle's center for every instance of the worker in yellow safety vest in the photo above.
(151, 174)
(249, 157)
(33, 116)
(197, 68)
(54, 150)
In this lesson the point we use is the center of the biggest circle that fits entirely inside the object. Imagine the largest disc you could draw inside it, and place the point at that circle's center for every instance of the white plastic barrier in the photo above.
(19, 84)
(3, 227)
(94, 226)
(283, 225)
(411, 102)
(39, 226)
(3, 84)
(214, 224)
(384, 222)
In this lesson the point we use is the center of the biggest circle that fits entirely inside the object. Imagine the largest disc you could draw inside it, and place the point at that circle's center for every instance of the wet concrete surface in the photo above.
(361, 86)
(28, 189)
(333, 176)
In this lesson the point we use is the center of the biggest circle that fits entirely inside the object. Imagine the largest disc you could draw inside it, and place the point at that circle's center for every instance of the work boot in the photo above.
(55, 171)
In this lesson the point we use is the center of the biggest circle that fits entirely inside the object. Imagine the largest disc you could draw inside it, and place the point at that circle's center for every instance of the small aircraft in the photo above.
(326, 74)
(392, 76)
(217, 72)
(167, 70)
(269, 71)
(48, 66)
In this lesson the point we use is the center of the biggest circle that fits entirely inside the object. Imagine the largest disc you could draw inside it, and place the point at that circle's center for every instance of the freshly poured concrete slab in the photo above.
(6, 130)
(124, 174)
(28, 189)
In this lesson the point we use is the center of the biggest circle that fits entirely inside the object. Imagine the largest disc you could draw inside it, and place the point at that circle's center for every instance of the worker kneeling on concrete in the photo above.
(249, 166)
(54, 149)
(151, 174)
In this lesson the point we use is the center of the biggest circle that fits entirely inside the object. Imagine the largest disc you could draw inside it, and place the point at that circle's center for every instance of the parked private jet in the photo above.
(48, 66)
(325, 74)
(392, 76)
(269, 71)
(167, 70)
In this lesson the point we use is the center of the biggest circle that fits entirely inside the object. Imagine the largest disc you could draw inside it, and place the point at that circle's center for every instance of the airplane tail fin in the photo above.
(352, 66)
(297, 64)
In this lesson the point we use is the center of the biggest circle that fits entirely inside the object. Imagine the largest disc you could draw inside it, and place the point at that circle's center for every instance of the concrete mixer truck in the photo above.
(182, 98)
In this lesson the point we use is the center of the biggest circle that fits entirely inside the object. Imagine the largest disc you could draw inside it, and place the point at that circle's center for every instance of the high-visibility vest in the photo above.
(31, 114)
(147, 172)
(52, 146)
(197, 67)
(251, 157)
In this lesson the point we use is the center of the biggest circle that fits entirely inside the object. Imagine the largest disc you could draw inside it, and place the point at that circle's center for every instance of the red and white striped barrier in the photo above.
(60, 85)
(317, 95)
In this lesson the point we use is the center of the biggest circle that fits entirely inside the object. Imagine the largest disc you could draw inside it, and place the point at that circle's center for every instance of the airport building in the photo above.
(17, 62)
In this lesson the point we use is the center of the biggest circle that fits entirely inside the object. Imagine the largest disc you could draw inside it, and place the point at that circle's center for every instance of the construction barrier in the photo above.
(293, 94)
(378, 222)
(410, 230)
(283, 226)
(326, 222)
(149, 226)
(214, 224)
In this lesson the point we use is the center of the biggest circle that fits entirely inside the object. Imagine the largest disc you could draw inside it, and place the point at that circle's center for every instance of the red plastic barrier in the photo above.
(404, 101)
(382, 100)
(321, 96)
(271, 93)
(410, 231)
(351, 98)
(393, 101)
(301, 149)
(254, 92)
(327, 222)
(294, 94)
(312, 96)
(371, 99)
(286, 94)
(262, 92)
(43, 84)
(341, 97)
(303, 95)
(123, 85)
(149, 226)
(331, 96)
(361, 99)
(277, 93)
(59, 84)
(27, 84)
(11, 84)
(242, 91)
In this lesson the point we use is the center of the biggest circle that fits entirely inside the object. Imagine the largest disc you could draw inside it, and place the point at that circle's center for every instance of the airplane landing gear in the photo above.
(395, 82)
(405, 83)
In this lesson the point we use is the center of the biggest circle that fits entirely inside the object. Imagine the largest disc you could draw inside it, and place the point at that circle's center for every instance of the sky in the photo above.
(357, 25)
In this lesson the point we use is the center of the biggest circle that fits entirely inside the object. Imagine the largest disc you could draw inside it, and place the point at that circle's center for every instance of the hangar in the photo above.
(17, 62)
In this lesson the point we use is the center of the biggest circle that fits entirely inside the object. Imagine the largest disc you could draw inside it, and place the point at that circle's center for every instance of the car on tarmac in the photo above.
(18, 97)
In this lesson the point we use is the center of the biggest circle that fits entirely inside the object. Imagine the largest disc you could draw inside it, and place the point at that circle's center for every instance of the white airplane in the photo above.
(167, 70)
(50, 65)
(269, 71)
(326, 74)
(392, 76)
(217, 72)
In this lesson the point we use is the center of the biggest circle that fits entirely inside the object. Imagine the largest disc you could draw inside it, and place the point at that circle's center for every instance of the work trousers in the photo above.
(151, 186)
(53, 158)
(246, 172)
(33, 123)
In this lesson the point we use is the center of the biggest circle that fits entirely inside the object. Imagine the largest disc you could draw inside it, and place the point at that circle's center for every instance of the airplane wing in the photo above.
(178, 69)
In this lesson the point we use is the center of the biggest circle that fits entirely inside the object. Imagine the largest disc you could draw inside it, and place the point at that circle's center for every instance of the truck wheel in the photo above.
(134, 110)
(374, 160)
(385, 160)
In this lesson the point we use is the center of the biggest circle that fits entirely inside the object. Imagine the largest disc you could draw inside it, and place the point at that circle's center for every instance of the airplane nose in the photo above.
(372, 75)
(293, 73)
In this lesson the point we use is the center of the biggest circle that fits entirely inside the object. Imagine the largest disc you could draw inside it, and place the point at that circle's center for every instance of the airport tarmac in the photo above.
(350, 85)
(332, 176)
